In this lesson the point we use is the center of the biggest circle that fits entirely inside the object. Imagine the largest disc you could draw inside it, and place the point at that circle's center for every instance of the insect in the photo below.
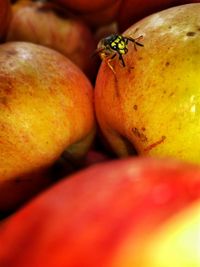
(115, 44)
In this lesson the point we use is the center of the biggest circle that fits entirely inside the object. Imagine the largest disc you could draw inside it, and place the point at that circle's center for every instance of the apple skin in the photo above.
(5, 16)
(85, 6)
(94, 156)
(102, 17)
(67, 35)
(152, 104)
(94, 13)
(46, 107)
(133, 10)
(97, 216)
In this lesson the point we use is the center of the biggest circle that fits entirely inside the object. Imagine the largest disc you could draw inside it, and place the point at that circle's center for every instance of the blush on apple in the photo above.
(102, 17)
(59, 31)
(132, 212)
(95, 13)
(46, 107)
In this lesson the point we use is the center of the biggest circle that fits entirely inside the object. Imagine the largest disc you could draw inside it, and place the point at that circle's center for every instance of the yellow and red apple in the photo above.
(135, 212)
(152, 104)
(46, 107)
(67, 35)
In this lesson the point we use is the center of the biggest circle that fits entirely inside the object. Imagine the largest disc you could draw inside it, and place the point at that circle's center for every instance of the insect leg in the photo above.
(135, 41)
(108, 60)
(122, 60)
(113, 56)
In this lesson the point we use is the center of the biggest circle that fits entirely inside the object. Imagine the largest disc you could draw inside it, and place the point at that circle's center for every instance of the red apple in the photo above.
(133, 10)
(67, 35)
(86, 5)
(132, 212)
(95, 13)
(102, 17)
(5, 16)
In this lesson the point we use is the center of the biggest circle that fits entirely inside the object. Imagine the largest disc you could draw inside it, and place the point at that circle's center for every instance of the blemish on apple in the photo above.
(190, 34)
(11, 52)
(3, 101)
(6, 85)
(130, 69)
(116, 86)
(140, 135)
(155, 144)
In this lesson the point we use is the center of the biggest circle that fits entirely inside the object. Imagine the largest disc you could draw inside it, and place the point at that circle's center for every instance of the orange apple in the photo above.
(152, 103)
(67, 35)
(46, 107)
(134, 212)
(5, 16)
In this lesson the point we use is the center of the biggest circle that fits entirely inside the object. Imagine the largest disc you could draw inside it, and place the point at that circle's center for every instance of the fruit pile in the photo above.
(99, 133)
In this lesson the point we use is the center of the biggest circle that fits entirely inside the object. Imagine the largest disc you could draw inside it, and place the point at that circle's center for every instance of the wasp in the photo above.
(115, 44)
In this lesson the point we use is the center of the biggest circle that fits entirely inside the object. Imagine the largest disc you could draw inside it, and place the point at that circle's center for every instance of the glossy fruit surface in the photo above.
(45, 108)
(118, 213)
(67, 35)
(153, 102)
